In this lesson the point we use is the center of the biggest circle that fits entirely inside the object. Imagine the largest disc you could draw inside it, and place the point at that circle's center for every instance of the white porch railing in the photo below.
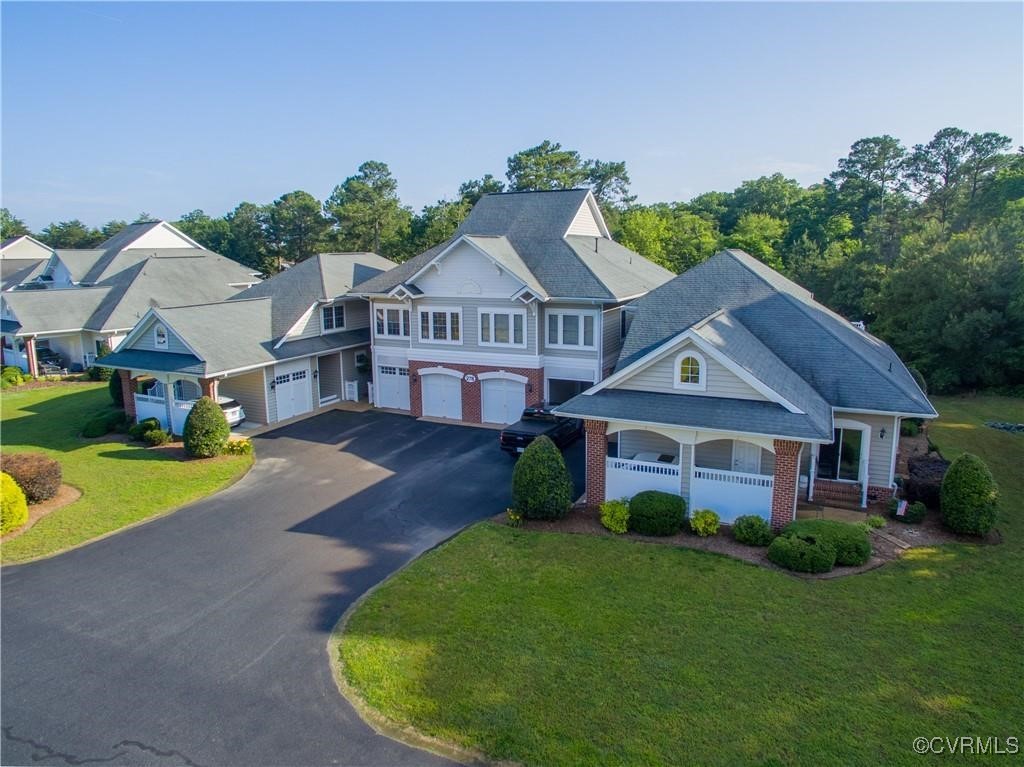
(625, 478)
(731, 493)
(149, 406)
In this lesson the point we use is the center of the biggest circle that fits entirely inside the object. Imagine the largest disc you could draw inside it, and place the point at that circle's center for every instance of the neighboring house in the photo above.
(738, 391)
(85, 301)
(22, 259)
(522, 304)
(282, 348)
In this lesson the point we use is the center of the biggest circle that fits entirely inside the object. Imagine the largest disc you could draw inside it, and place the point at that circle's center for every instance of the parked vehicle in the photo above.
(233, 411)
(535, 422)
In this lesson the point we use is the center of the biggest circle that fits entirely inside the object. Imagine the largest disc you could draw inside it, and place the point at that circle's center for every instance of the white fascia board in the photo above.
(883, 412)
(465, 239)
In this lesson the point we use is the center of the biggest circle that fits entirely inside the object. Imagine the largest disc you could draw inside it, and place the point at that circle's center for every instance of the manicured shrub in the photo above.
(704, 522)
(138, 431)
(969, 496)
(875, 521)
(116, 390)
(12, 376)
(653, 512)
(156, 437)
(615, 515)
(96, 426)
(13, 506)
(924, 480)
(802, 555)
(912, 515)
(541, 485)
(752, 530)
(238, 447)
(38, 475)
(850, 542)
(206, 429)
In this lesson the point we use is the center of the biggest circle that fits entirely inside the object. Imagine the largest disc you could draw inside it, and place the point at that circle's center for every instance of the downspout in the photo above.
(812, 472)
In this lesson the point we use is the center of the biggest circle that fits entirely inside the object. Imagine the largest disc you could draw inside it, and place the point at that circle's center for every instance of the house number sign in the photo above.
(470, 378)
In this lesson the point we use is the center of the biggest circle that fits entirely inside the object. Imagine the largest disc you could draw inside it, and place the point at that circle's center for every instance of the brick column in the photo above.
(416, 387)
(30, 356)
(209, 387)
(597, 452)
(787, 467)
(128, 391)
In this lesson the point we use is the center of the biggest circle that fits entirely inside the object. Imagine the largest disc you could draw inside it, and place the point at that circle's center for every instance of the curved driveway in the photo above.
(200, 638)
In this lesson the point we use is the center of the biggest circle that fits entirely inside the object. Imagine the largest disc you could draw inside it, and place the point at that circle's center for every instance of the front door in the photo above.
(746, 457)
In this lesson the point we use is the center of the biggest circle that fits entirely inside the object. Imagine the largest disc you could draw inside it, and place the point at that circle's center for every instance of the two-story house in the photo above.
(282, 348)
(522, 304)
(738, 391)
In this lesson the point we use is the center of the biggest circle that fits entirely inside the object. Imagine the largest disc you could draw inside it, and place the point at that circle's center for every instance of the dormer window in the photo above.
(690, 371)
(159, 336)
(333, 317)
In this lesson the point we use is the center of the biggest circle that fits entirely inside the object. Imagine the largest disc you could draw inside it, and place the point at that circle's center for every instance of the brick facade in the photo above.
(30, 356)
(128, 392)
(847, 493)
(208, 386)
(472, 404)
(597, 453)
(784, 486)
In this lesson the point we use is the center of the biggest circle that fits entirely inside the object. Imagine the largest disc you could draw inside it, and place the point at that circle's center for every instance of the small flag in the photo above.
(901, 508)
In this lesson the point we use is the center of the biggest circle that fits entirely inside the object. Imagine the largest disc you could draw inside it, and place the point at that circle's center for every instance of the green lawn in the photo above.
(120, 483)
(550, 649)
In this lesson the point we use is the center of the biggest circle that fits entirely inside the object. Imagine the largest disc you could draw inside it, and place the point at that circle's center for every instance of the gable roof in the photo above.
(323, 277)
(50, 311)
(23, 252)
(534, 224)
(771, 324)
(15, 271)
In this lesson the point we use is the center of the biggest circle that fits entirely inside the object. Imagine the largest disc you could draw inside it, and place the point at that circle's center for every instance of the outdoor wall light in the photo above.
(881, 434)
(316, 374)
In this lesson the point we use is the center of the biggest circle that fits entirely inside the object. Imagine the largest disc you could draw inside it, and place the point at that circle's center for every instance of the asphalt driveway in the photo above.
(201, 638)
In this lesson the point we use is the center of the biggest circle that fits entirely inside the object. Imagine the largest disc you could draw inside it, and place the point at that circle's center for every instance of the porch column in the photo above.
(786, 481)
(597, 453)
(128, 392)
(209, 387)
(30, 356)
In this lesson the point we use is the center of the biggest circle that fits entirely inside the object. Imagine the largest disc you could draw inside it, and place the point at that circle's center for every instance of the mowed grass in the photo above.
(120, 483)
(550, 649)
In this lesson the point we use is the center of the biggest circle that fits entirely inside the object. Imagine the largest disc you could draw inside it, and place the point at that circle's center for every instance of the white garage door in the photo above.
(442, 396)
(392, 387)
(503, 400)
(293, 389)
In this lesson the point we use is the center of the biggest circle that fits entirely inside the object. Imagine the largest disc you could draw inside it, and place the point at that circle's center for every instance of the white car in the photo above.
(233, 411)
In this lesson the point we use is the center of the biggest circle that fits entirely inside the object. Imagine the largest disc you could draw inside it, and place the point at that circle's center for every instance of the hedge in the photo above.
(139, 430)
(38, 475)
(541, 484)
(13, 506)
(653, 512)
(206, 429)
(850, 542)
(116, 390)
(802, 555)
(752, 530)
(969, 496)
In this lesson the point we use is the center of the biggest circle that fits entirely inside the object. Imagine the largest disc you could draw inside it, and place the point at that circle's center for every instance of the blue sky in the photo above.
(113, 109)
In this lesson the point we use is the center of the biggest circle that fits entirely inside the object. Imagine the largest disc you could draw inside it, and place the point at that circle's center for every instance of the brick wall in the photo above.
(471, 392)
(787, 466)
(828, 490)
(128, 391)
(597, 452)
(208, 386)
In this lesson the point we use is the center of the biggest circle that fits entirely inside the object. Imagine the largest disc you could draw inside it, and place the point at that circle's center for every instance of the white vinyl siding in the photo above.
(308, 325)
(584, 222)
(465, 271)
(661, 376)
(502, 327)
(144, 340)
(611, 336)
(248, 390)
(570, 329)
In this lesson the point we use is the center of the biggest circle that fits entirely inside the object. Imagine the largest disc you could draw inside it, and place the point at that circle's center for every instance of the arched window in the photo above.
(690, 371)
(160, 336)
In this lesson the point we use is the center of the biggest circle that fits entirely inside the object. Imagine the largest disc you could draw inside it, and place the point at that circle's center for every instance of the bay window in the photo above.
(571, 329)
(502, 327)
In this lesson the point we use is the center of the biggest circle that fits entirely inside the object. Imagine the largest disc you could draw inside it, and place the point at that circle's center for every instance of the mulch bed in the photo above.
(582, 520)
(36, 511)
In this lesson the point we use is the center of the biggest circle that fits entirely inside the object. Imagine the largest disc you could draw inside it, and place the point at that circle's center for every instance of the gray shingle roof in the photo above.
(165, 362)
(693, 412)
(534, 224)
(14, 271)
(848, 368)
(49, 311)
(79, 261)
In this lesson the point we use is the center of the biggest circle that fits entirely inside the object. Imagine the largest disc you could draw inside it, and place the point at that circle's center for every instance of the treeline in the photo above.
(925, 244)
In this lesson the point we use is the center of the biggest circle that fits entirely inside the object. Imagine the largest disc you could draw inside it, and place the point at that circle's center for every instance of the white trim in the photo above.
(302, 320)
(157, 343)
(882, 412)
(439, 371)
(894, 450)
(503, 374)
(403, 307)
(863, 465)
(332, 307)
(581, 313)
(138, 330)
(491, 311)
(431, 310)
(435, 261)
(595, 210)
(702, 371)
(466, 357)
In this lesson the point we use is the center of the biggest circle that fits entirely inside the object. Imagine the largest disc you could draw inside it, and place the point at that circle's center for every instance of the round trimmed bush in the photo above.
(615, 516)
(850, 542)
(116, 390)
(138, 431)
(156, 437)
(752, 530)
(802, 555)
(876, 521)
(969, 496)
(653, 512)
(96, 426)
(541, 484)
(13, 506)
(38, 475)
(704, 522)
(206, 429)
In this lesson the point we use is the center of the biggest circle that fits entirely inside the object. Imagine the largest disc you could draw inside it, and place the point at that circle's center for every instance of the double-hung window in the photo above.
(440, 326)
(333, 317)
(571, 329)
(502, 327)
(392, 322)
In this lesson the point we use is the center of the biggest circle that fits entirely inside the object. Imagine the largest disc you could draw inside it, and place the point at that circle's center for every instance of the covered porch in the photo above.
(731, 474)
(167, 398)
